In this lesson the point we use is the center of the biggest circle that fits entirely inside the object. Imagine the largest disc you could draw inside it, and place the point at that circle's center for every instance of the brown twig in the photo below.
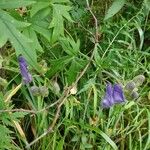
(95, 20)
(18, 110)
(29, 111)
(67, 93)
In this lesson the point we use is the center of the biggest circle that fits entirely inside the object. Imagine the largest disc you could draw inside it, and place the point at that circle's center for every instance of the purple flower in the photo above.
(27, 78)
(114, 94)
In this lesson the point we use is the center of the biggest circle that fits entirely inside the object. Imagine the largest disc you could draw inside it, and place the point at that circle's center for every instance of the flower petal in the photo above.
(108, 100)
(27, 78)
(118, 95)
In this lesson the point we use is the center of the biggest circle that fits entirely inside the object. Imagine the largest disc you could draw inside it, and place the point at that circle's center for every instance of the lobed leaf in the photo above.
(16, 38)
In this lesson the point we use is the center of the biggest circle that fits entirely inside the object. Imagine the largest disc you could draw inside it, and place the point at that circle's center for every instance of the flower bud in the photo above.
(130, 86)
(43, 91)
(134, 95)
(139, 80)
(35, 91)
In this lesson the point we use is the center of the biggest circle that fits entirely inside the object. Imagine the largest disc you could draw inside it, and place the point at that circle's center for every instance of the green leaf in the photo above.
(60, 144)
(3, 37)
(38, 6)
(57, 24)
(40, 23)
(5, 138)
(20, 42)
(147, 3)
(4, 4)
(13, 21)
(115, 7)
(17, 115)
(58, 65)
(30, 33)
(70, 46)
(74, 69)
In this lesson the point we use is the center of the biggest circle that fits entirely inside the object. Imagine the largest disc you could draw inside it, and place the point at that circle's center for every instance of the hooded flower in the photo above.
(118, 95)
(114, 94)
(108, 98)
(27, 78)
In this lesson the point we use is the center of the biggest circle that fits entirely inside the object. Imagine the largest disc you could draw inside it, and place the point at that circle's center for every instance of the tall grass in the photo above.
(121, 53)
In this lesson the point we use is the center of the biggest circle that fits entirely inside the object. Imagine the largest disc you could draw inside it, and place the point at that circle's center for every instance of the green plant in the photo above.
(73, 49)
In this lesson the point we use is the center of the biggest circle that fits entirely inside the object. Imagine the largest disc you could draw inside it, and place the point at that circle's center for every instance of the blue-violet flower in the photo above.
(114, 94)
(27, 78)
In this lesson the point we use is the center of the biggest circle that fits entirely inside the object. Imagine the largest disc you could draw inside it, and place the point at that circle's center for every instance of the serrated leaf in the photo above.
(4, 4)
(59, 13)
(70, 46)
(16, 23)
(5, 138)
(17, 39)
(114, 8)
(18, 115)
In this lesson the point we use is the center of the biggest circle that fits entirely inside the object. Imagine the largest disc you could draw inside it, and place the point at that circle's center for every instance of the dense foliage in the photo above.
(56, 58)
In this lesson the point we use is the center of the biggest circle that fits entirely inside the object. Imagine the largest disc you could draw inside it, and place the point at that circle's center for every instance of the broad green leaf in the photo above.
(15, 3)
(57, 24)
(38, 6)
(115, 7)
(40, 23)
(13, 21)
(17, 39)
(30, 33)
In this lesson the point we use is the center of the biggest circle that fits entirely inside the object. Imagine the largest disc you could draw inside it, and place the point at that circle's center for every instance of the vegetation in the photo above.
(73, 50)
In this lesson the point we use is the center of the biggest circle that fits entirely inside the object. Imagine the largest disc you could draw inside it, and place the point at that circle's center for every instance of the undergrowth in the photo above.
(74, 49)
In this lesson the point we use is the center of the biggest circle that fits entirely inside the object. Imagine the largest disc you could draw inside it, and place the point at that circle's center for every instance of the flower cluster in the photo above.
(39, 91)
(132, 86)
(114, 94)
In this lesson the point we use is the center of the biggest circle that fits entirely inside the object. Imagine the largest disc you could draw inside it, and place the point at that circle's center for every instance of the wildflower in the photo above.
(108, 100)
(114, 94)
(27, 78)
